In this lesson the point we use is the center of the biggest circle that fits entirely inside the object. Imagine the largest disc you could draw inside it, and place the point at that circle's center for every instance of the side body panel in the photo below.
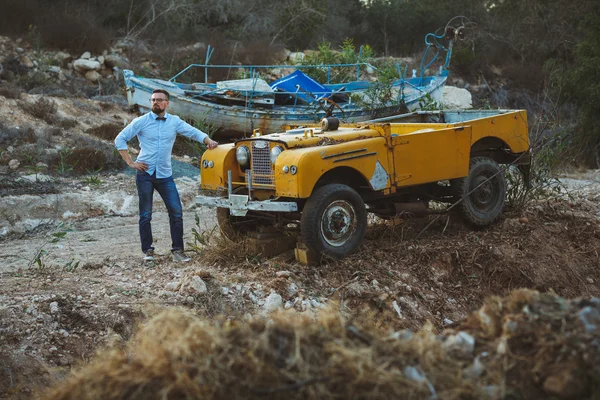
(430, 156)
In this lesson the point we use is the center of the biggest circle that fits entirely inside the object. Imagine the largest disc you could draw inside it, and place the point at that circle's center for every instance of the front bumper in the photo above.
(239, 204)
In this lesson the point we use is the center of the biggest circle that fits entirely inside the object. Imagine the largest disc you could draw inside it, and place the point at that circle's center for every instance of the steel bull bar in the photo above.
(239, 204)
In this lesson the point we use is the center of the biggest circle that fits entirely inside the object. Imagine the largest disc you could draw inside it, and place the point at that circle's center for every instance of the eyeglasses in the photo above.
(157, 100)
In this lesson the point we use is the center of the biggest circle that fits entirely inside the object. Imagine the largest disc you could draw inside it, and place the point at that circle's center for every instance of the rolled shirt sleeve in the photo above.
(127, 134)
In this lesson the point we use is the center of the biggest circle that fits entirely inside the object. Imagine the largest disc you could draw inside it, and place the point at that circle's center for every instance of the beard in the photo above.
(156, 109)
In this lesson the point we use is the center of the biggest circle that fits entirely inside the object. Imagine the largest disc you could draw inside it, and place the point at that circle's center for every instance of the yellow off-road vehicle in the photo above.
(325, 179)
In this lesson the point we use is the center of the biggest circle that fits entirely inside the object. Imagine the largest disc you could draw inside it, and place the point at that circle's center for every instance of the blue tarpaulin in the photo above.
(306, 88)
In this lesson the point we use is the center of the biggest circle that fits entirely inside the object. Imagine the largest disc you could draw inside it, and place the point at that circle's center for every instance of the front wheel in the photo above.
(334, 221)
(481, 193)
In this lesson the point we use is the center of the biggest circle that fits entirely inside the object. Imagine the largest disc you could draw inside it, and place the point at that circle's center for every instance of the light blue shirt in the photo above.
(156, 139)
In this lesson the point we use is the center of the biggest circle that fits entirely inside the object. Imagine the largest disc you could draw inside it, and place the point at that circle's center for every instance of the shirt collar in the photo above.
(154, 116)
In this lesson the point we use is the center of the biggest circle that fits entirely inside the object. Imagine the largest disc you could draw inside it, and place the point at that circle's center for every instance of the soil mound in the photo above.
(526, 345)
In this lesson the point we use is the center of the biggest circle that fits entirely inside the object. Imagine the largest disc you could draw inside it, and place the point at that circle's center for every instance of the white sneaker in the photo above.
(179, 256)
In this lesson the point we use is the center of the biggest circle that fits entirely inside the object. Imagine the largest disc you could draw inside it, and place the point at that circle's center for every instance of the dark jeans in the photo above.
(168, 191)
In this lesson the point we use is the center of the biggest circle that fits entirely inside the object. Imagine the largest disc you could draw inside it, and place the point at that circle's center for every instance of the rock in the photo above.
(456, 98)
(397, 309)
(523, 220)
(589, 280)
(296, 57)
(101, 59)
(414, 374)
(83, 66)
(292, 289)
(26, 62)
(115, 60)
(224, 291)
(315, 303)
(404, 334)
(61, 56)
(13, 164)
(54, 308)
(282, 55)
(476, 369)
(590, 318)
(198, 285)
(116, 99)
(172, 286)
(10, 149)
(54, 69)
(283, 274)
(53, 349)
(273, 302)
(86, 56)
(63, 333)
(461, 344)
(565, 385)
(93, 76)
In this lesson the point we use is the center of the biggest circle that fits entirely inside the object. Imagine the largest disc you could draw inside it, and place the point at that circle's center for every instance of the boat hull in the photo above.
(240, 121)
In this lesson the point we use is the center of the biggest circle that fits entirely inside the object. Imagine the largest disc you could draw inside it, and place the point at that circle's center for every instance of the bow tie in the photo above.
(161, 118)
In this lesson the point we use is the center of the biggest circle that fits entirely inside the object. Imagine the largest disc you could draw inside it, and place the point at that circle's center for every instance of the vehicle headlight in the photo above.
(275, 152)
(242, 155)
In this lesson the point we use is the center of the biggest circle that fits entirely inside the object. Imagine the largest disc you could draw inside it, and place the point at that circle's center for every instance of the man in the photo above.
(156, 132)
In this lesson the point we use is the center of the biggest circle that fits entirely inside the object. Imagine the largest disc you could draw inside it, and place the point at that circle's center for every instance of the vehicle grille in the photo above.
(260, 163)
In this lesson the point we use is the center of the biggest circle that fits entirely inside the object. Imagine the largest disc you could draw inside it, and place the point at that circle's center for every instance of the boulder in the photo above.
(93, 76)
(273, 302)
(26, 62)
(115, 60)
(14, 164)
(198, 285)
(456, 98)
(296, 57)
(83, 66)
(86, 55)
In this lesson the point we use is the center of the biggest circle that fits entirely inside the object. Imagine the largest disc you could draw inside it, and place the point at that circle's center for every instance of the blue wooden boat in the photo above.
(238, 107)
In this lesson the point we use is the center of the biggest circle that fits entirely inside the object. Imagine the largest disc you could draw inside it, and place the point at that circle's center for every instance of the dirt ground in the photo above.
(91, 287)
(74, 282)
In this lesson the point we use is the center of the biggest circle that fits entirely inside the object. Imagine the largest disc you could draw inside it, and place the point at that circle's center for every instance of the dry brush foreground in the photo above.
(526, 345)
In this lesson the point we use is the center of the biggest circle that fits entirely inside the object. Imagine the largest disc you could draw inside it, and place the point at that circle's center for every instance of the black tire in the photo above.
(334, 204)
(482, 206)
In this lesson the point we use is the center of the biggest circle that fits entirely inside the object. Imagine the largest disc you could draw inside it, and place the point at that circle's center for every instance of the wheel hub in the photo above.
(483, 197)
(338, 223)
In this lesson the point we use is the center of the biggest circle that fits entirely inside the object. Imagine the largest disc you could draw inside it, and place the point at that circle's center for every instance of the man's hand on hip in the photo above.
(140, 166)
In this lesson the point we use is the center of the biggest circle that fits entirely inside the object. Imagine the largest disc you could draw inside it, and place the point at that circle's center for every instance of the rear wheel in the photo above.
(334, 221)
(482, 193)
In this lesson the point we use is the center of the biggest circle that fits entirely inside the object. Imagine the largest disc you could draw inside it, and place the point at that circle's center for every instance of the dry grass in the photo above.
(42, 108)
(105, 131)
(178, 355)
(10, 92)
(295, 356)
